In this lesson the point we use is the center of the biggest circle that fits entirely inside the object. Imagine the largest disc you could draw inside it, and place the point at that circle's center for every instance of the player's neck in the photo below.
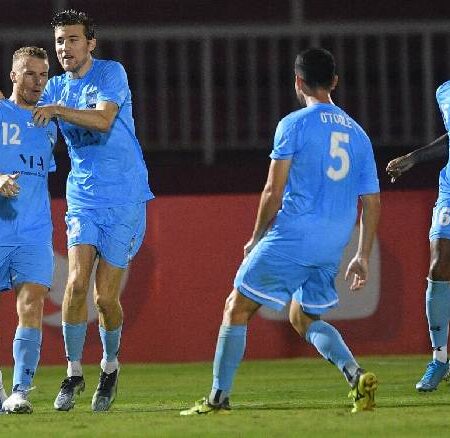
(20, 102)
(318, 98)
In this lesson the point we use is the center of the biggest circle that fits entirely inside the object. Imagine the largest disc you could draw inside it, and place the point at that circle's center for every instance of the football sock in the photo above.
(329, 343)
(74, 368)
(74, 337)
(437, 307)
(229, 352)
(26, 353)
(111, 343)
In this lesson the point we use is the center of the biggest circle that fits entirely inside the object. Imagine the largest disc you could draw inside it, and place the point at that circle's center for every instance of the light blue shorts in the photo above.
(26, 264)
(116, 232)
(440, 224)
(273, 281)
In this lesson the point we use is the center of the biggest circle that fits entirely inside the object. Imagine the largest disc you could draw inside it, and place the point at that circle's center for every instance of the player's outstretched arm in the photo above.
(434, 150)
(270, 201)
(358, 268)
(8, 185)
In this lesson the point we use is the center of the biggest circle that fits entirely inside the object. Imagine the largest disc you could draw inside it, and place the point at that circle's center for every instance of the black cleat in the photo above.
(106, 391)
(70, 388)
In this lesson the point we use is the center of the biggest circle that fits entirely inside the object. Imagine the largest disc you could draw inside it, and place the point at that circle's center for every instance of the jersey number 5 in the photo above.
(336, 151)
(10, 133)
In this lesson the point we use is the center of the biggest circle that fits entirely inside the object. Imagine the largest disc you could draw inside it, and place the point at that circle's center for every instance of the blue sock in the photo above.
(111, 342)
(329, 343)
(437, 307)
(74, 336)
(230, 349)
(26, 353)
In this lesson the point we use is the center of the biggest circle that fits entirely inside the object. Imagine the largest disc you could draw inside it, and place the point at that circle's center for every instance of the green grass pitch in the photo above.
(283, 398)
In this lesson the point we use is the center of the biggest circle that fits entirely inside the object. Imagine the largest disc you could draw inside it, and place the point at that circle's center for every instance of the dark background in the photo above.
(232, 172)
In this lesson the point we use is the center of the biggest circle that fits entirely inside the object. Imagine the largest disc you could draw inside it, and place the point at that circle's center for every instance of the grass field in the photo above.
(285, 398)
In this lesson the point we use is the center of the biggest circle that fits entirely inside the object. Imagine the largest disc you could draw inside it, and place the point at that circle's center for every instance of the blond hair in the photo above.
(37, 52)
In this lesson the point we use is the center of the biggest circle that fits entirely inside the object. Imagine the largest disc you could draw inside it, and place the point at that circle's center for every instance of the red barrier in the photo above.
(177, 285)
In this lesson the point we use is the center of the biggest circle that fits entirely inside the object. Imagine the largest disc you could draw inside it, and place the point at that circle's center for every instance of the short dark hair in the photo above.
(70, 17)
(37, 52)
(317, 67)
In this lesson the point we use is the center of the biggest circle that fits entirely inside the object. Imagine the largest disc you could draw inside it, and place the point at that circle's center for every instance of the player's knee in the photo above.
(77, 287)
(300, 326)
(105, 304)
(30, 306)
(234, 312)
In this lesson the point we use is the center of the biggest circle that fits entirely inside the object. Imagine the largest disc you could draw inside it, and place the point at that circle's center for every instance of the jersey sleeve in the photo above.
(368, 177)
(285, 142)
(114, 86)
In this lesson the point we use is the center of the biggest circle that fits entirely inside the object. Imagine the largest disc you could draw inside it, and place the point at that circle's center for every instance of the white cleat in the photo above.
(17, 403)
(3, 395)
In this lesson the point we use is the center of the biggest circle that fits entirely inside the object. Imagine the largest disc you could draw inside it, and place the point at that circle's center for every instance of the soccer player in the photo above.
(26, 253)
(437, 295)
(107, 191)
(322, 162)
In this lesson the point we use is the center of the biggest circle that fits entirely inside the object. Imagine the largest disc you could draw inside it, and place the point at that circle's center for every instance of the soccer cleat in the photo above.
(204, 407)
(363, 393)
(435, 372)
(17, 403)
(70, 388)
(106, 391)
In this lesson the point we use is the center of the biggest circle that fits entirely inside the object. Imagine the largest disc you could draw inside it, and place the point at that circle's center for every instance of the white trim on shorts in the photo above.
(319, 306)
(261, 295)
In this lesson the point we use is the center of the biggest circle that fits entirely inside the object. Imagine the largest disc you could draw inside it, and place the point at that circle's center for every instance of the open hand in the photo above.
(357, 273)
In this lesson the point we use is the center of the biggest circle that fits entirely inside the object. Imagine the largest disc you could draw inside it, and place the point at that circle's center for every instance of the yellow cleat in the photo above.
(363, 394)
(204, 407)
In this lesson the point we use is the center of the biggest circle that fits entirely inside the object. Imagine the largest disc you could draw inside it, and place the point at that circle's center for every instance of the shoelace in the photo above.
(430, 370)
(67, 383)
(106, 381)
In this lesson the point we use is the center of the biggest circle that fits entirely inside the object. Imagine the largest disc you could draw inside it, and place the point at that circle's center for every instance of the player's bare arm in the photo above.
(270, 201)
(432, 151)
(357, 271)
(8, 185)
(99, 119)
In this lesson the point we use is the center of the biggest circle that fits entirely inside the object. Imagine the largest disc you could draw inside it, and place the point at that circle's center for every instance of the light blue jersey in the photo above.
(107, 169)
(332, 164)
(443, 100)
(28, 150)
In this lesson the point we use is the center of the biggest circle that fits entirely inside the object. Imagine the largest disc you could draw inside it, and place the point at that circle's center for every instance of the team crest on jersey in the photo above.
(91, 99)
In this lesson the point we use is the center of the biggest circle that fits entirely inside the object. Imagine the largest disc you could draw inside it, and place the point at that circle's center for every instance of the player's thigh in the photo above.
(318, 294)
(32, 264)
(122, 233)
(108, 280)
(6, 253)
(81, 262)
(269, 279)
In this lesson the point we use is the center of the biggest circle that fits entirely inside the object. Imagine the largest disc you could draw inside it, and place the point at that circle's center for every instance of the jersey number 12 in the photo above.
(336, 151)
(10, 133)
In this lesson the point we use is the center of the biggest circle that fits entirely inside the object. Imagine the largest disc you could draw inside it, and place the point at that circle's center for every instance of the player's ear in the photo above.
(12, 75)
(335, 82)
(92, 44)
